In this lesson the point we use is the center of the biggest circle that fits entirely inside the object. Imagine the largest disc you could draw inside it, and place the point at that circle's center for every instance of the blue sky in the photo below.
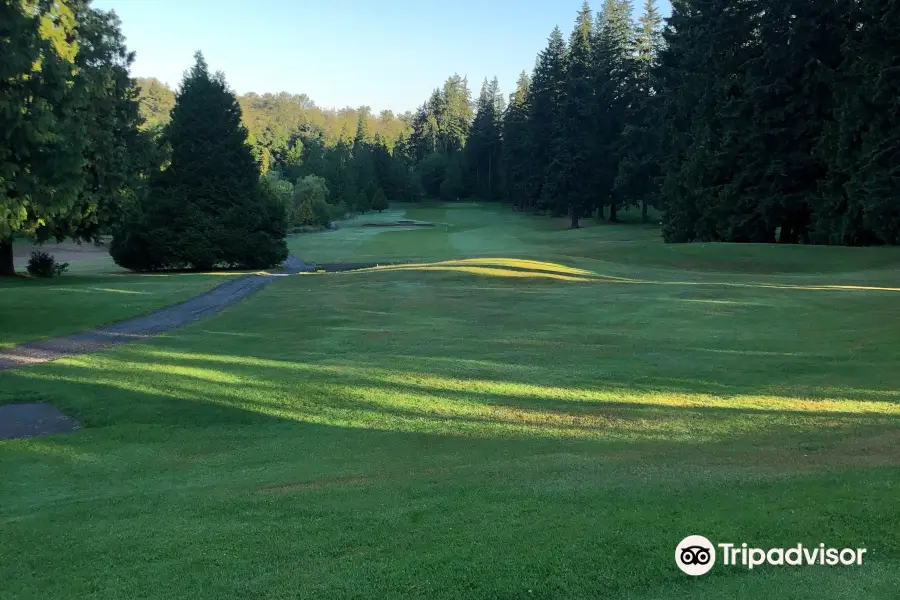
(387, 54)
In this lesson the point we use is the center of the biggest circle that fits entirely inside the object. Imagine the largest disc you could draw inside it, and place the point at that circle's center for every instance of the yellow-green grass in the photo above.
(512, 426)
(93, 292)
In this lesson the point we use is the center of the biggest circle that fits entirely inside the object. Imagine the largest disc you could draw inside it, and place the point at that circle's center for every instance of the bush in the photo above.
(310, 200)
(277, 187)
(380, 201)
(338, 211)
(431, 173)
(452, 187)
(307, 229)
(42, 264)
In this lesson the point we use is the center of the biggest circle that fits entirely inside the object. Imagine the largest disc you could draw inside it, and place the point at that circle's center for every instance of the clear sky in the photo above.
(387, 54)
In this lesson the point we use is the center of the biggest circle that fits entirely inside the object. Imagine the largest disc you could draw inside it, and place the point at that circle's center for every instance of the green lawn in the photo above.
(93, 292)
(522, 412)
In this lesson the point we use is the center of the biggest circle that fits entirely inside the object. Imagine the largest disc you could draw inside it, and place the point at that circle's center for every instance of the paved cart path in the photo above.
(166, 319)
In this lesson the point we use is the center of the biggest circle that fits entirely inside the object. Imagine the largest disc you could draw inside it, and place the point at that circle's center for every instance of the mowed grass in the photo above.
(515, 414)
(93, 292)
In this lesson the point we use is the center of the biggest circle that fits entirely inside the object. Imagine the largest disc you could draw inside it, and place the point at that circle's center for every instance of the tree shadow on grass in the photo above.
(196, 391)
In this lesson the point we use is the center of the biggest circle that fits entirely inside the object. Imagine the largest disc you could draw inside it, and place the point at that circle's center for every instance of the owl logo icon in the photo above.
(695, 555)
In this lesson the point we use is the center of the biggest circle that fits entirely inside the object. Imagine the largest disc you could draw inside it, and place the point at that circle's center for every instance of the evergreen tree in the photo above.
(362, 128)
(789, 100)
(380, 201)
(454, 114)
(41, 163)
(362, 166)
(482, 153)
(861, 147)
(421, 140)
(116, 154)
(613, 67)
(452, 187)
(544, 105)
(515, 141)
(639, 169)
(574, 138)
(207, 209)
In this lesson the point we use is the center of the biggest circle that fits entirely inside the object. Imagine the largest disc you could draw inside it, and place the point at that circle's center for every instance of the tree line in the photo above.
(745, 121)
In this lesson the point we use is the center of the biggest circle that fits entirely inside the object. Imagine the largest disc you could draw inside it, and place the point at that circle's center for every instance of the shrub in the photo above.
(311, 202)
(380, 201)
(338, 211)
(42, 264)
(431, 173)
(307, 229)
(273, 184)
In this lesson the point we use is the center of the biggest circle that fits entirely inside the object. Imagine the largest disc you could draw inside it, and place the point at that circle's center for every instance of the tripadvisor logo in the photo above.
(696, 555)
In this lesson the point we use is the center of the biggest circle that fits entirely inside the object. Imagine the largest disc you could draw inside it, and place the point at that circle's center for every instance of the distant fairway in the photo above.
(511, 411)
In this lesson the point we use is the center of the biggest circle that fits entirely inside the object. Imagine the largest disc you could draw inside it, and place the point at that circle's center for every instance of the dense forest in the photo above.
(748, 121)
(745, 121)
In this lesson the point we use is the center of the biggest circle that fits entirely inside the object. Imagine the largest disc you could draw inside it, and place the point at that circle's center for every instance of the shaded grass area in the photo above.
(86, 297)
(506, 427)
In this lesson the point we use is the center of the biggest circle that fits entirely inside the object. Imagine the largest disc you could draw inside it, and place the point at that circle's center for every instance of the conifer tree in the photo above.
(571, 165)
(516, 157)
(639, 169)
(613, 66)
(482, 152)
(207, 209)
(454, 114)
(380, 201)
(861, 147)
(544, 105)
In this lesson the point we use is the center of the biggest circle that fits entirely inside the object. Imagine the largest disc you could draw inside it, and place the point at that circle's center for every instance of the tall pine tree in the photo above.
(612, 68)
(544, 103)
(639, 169)
(482, 151)
(571, 165)
(516, 148)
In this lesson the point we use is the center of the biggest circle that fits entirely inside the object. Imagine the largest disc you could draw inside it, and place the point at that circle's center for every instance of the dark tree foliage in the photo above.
(515, 144)
(117, 154)
(860, 202)
(207, 209)
(70, 152)
(573, 140)
(741, 121)
(483, 146)
(544, 104)
(639, 166)
(613, 67)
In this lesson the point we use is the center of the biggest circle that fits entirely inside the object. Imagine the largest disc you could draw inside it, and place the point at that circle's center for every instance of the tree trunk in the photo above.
(7, 264)
(787, 235)
(612, 212)
(491, 175)
(573, 212)
(643, 211)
